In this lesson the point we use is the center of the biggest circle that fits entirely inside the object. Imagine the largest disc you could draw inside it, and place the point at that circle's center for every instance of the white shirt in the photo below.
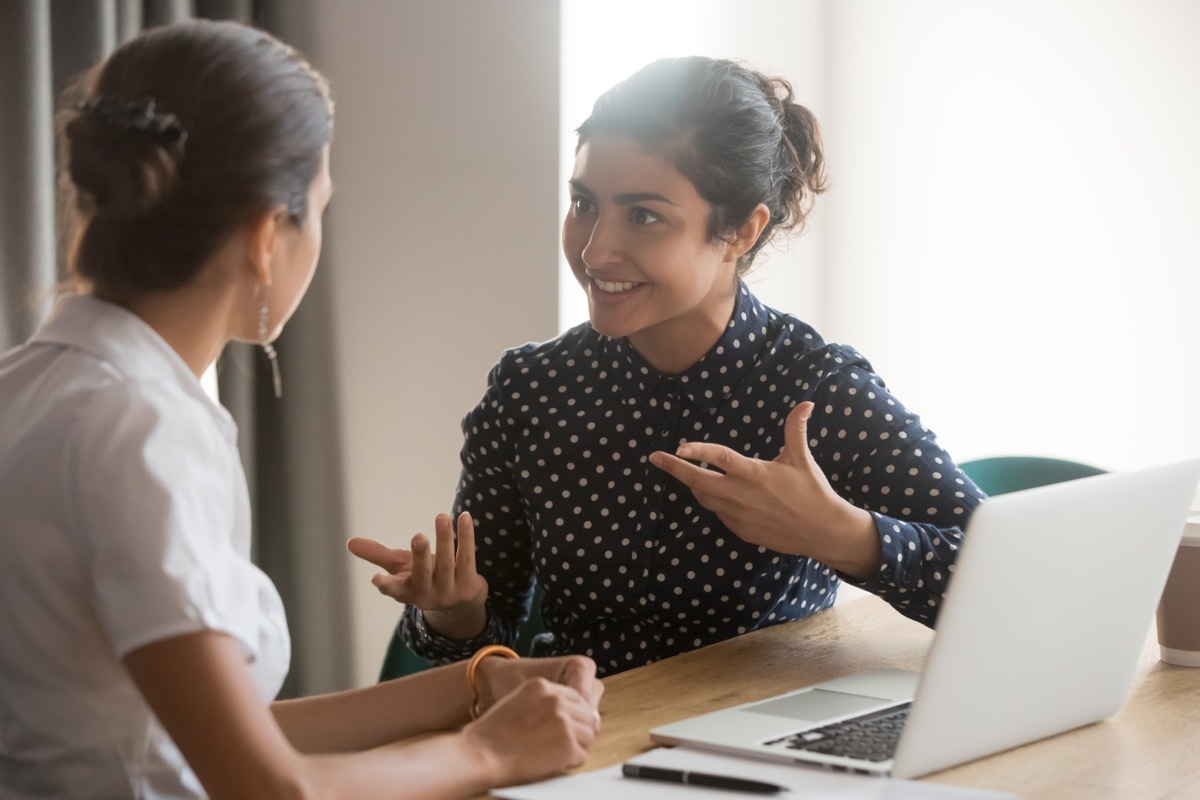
(124, 519)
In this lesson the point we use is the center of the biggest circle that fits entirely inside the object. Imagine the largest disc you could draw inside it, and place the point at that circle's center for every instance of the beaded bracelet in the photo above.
(473, 665)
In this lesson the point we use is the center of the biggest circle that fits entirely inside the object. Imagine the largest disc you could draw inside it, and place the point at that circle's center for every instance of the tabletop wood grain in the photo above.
(1149, 750)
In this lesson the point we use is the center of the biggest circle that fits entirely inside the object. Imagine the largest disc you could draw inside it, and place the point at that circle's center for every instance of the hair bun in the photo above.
(124, 154)
(138, 114)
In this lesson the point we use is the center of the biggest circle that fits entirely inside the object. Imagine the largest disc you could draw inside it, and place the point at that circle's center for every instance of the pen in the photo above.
(699, 779)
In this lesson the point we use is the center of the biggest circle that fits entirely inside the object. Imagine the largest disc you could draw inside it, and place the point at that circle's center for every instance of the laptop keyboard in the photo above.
(871, 737)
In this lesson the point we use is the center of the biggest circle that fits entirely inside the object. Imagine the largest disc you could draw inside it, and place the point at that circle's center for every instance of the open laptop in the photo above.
(1040, 632)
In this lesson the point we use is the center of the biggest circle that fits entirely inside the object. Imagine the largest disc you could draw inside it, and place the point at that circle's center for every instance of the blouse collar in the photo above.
(710, 381)
(118, 336)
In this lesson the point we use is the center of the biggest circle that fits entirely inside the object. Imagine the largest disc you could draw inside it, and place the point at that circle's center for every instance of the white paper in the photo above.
(805, 783)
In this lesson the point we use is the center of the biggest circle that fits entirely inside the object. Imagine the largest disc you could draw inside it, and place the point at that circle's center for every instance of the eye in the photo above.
(581, 205)
(642, 216)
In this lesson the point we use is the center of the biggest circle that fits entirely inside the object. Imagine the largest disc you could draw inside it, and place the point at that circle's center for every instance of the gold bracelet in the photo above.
(473, 665)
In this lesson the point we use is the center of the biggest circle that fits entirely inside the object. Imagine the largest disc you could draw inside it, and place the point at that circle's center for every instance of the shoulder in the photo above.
(793, 346)
(794, 353)
(148, 469)
(140, 410)
(149, 438)
(575, 349)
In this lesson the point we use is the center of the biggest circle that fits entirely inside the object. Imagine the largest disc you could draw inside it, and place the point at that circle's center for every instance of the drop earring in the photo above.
(267, 347)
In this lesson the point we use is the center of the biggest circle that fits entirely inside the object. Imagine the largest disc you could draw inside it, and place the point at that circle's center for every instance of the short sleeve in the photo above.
(157, 505)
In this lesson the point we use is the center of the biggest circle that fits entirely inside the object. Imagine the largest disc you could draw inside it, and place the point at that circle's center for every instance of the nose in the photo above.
(603, 246)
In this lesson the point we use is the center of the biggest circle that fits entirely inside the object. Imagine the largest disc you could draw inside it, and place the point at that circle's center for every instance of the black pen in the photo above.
(699, 779)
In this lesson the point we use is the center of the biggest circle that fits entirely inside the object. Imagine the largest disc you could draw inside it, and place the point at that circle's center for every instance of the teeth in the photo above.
(610, 286)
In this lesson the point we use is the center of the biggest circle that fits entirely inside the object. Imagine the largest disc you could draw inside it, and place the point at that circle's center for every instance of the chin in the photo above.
(609, 328)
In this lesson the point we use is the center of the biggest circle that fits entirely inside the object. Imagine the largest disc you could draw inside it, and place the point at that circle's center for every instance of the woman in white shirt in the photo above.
(141, 648)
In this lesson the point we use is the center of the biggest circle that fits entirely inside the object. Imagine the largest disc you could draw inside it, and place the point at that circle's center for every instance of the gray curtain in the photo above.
(290, 447)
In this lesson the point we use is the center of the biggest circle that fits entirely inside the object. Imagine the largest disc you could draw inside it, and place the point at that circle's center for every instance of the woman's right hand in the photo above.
(444, 585)
(539, 730)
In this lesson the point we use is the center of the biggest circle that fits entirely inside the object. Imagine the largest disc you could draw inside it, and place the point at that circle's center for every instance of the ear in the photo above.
(747, 234)
(261, 238)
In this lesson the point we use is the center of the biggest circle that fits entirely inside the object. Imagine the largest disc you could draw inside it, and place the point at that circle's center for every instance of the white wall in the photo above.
(1009, 235)
(1009, 232)
(442, 243)
(1012, 229)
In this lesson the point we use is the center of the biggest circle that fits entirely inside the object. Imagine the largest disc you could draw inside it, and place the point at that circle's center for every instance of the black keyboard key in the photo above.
(871, 737)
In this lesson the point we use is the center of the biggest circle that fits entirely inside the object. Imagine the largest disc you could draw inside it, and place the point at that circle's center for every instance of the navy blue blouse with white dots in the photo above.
(632, 569)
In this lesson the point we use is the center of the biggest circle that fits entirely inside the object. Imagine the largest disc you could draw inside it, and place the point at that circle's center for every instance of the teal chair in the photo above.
(401, 660)
(1002, 474)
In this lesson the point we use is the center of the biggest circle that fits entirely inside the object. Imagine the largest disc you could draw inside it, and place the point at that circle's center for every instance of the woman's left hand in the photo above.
(786, 505)
(497, 677)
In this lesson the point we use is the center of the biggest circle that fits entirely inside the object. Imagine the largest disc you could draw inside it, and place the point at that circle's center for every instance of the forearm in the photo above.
(438, 767)
(360, 719)
(916, 567)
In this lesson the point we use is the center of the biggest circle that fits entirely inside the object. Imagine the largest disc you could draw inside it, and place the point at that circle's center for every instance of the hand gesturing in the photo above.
(785, 504)
(443, 584)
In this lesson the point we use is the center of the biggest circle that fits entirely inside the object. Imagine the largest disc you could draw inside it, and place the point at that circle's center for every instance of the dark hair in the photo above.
(178, 137)
(736, 134)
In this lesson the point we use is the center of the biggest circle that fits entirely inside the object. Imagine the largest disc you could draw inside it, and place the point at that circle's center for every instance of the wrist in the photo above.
(855, 547)
(480, 686)
(462, 623)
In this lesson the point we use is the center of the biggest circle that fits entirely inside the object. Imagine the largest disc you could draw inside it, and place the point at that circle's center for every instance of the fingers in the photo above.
(715, 455)
(443, 561)
(465, 558)
(557, 726)
(421, 574)
(379, 554)
(579, 673)
(582, 719)
(585, 719)
(394, 587)
(396, 562)
(795, 434)
(694, 477)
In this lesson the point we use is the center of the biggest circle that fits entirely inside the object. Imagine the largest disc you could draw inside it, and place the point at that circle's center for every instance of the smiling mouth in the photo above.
(614, 286)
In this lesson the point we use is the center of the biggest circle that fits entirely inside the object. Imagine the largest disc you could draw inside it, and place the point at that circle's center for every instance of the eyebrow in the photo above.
(625, 198)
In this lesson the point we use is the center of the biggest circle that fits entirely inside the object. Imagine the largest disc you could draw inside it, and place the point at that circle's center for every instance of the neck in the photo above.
(673, 346)
(194, 329)
(195, 320)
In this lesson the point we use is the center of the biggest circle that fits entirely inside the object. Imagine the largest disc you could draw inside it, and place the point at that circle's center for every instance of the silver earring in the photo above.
(268, 348)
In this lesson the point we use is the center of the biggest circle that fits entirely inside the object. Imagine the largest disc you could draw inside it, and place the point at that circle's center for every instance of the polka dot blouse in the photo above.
(633, 569)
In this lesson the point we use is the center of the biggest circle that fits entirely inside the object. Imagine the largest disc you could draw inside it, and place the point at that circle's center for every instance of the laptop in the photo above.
(1040, 632)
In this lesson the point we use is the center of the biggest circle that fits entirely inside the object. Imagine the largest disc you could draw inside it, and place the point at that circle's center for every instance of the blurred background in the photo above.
(1011, 236)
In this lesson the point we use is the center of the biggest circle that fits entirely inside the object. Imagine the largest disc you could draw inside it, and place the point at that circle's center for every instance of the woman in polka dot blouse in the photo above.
(690, 464)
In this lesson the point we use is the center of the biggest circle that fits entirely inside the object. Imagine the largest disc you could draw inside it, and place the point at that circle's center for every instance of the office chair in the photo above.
(1003, 474)
(401, 660)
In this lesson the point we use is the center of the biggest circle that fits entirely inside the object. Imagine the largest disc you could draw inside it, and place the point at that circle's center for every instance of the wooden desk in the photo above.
(1150, 750)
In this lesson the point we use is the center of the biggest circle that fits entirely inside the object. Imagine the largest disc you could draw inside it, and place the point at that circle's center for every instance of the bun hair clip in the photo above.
(137, 114)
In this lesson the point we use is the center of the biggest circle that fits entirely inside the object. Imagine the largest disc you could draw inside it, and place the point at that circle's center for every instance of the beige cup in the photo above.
(1178, 614)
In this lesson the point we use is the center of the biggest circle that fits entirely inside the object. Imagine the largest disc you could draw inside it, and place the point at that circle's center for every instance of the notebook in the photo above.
(1040, 632)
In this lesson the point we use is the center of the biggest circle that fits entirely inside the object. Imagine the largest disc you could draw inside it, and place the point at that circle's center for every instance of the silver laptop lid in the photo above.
(1045, 618)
